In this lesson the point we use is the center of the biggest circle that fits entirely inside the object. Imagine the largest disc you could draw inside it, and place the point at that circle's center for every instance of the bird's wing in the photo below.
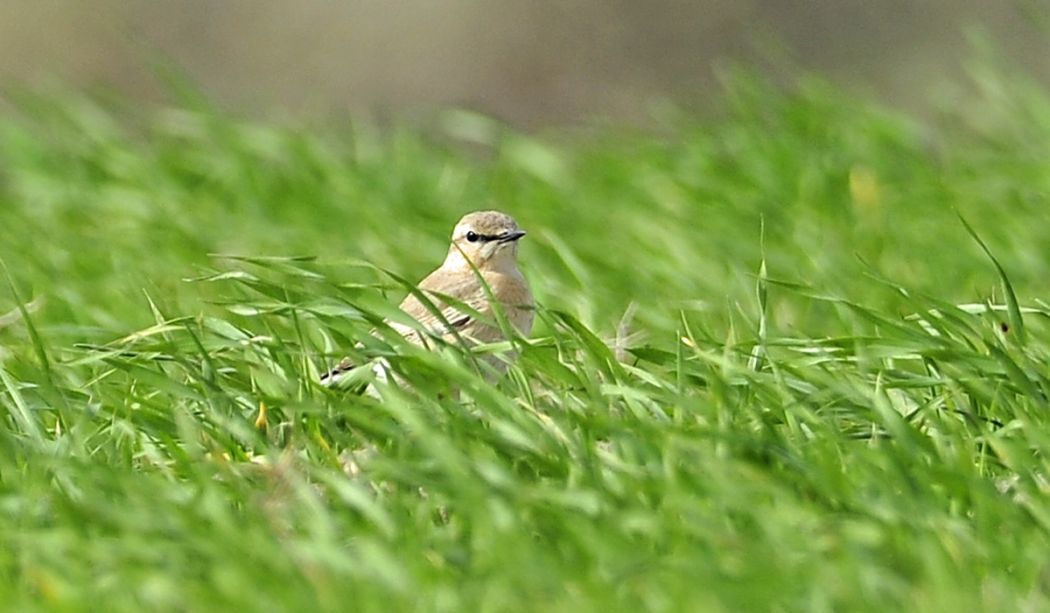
(457, 297)
(343, 367)
(459, 289)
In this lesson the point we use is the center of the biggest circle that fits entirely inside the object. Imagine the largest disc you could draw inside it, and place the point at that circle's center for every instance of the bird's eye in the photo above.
(472, 236)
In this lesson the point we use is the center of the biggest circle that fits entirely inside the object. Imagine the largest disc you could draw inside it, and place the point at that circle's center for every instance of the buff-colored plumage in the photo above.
(484, 247)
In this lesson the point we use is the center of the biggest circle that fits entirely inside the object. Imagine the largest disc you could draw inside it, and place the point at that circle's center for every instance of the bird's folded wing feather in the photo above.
(455, 299)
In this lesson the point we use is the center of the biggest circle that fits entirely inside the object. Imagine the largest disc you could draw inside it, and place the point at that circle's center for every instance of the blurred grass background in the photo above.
(147, 198)
(772, 368)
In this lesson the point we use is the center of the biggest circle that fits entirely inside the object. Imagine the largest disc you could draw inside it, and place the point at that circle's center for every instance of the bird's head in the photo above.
(488, 239)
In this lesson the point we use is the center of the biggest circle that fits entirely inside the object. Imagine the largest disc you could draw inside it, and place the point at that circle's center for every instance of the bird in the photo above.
(481, 267)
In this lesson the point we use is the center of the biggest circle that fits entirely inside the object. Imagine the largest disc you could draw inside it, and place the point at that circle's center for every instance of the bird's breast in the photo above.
(515, 299)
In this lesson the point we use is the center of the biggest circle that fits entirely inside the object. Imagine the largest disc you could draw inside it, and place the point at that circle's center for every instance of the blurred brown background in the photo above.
(530, 62)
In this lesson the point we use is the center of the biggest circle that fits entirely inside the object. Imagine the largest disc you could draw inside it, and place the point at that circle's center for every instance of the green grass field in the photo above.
(772, 370)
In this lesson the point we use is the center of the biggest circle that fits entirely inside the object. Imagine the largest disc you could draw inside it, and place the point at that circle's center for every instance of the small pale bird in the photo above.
(484, 248)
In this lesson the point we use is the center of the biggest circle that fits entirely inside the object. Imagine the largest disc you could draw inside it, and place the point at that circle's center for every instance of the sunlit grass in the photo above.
(772, 367)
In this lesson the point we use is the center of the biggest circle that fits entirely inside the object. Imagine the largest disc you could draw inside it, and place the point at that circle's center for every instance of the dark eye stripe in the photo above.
(474, 237)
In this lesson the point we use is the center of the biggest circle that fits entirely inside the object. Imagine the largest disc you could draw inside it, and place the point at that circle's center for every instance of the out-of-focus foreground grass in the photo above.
(772, 367)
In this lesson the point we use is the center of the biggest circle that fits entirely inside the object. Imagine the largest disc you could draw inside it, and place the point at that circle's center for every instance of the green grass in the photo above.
(772, 369)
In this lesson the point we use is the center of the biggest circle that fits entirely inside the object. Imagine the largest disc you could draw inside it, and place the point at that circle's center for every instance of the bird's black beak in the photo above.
(510, 237)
